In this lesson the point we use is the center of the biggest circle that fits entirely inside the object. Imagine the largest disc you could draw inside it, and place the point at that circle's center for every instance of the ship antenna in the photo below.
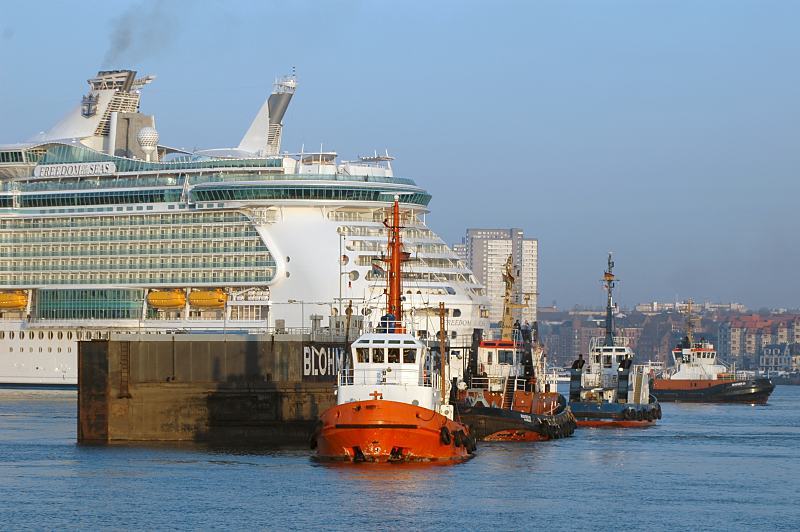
(609, 281)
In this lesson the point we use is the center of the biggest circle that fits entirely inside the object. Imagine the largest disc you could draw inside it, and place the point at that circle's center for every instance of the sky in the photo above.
(664, 131)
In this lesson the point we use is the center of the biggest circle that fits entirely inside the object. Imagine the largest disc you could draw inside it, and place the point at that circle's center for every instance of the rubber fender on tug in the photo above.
(458, 438)
(472, 444)
(444, 435)
(312, 441)
(658, 411)
(639, 415)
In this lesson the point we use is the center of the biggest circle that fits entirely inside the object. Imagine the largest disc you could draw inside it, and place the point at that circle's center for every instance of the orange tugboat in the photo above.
(392, 405)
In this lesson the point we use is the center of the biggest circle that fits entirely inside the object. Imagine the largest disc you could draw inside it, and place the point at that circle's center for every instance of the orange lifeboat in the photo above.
(167, 299)
(16, 300)
(211, 299)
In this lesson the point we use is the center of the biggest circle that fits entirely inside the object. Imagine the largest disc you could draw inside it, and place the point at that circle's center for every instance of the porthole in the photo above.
(456, 313)
(69, 335)
(20, 350)
(30, 335)
(59, 349)
(354, 275)
(50, 335)
(41, 335)
(11, 335)
(69, 350)
(40, 349)
(2, 334)
(49, 349)
(60, 335)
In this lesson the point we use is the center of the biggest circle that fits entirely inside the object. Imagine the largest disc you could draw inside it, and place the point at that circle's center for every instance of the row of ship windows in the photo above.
(94, 198)
(177, 233)
(101, 265)
(192, 240)
(129, 197)
(368, 260)
(304, 193)
(126, 220)
(217, 248)
(375, 245)
(50, 335)
(41, 350)
(380, 231)
(149, 278)
(218, 244)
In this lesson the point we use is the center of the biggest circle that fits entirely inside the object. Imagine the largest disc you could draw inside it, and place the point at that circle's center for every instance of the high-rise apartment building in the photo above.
(485, 253)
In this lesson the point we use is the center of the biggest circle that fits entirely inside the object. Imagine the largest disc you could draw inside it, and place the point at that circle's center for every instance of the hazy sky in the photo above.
(665, 131)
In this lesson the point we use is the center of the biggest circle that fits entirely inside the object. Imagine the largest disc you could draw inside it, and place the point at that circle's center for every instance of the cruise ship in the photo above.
(105, 229)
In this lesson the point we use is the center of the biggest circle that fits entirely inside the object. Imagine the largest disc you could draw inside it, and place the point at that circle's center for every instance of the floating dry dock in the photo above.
(232, 388)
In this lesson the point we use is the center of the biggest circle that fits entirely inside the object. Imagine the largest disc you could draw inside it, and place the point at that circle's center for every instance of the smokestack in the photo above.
(112, 132)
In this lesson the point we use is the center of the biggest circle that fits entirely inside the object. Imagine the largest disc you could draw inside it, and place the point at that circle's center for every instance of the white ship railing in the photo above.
(600, 341)
(375, 376)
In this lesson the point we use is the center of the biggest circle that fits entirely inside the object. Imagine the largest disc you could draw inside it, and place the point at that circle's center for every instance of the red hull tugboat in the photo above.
(501, 398)
(611, 392)
(698, 377)
(391, 405)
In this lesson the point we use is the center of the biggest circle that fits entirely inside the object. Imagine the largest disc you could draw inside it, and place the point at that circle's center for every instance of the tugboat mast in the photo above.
(397, 256)
(690, 323)
(609, 281)
(507, 323)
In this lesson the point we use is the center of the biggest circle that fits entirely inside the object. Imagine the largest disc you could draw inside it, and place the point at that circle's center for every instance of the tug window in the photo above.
(489, 361)
(377, 356)
(408, 356)
(394, 355)
(505, 356)
(607, 361)
(362, 353)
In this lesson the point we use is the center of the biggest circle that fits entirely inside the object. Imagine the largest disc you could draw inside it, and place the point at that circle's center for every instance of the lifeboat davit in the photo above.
(167, 299)
(16, 300)
(212, 299)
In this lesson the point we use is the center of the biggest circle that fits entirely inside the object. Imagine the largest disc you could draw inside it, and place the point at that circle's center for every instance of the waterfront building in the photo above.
(486, 252)
(744, 339)
(105, 229)
(654, 307)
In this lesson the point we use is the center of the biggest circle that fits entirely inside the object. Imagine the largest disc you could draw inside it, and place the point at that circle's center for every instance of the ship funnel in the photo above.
(264, 135)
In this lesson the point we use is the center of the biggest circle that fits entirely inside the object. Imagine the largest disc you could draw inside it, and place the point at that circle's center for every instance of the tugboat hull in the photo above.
(751, 391)
(389, 431)
(502, 424)
(615, 415)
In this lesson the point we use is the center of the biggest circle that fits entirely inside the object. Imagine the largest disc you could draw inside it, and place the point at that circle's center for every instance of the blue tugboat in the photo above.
(610, 391)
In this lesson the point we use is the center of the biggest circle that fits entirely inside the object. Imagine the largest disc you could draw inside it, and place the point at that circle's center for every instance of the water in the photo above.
(703, 467)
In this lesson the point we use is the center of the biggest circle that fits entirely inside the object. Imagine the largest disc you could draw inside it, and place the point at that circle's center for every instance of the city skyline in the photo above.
(665, 133)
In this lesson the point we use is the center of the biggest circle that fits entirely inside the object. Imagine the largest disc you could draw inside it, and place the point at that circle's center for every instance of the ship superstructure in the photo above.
(103, 228)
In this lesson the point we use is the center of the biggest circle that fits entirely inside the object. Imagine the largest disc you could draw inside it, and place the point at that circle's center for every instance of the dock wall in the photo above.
(248, 389)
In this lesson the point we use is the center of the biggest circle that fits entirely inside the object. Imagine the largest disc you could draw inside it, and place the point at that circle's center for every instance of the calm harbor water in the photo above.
(730, 467)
